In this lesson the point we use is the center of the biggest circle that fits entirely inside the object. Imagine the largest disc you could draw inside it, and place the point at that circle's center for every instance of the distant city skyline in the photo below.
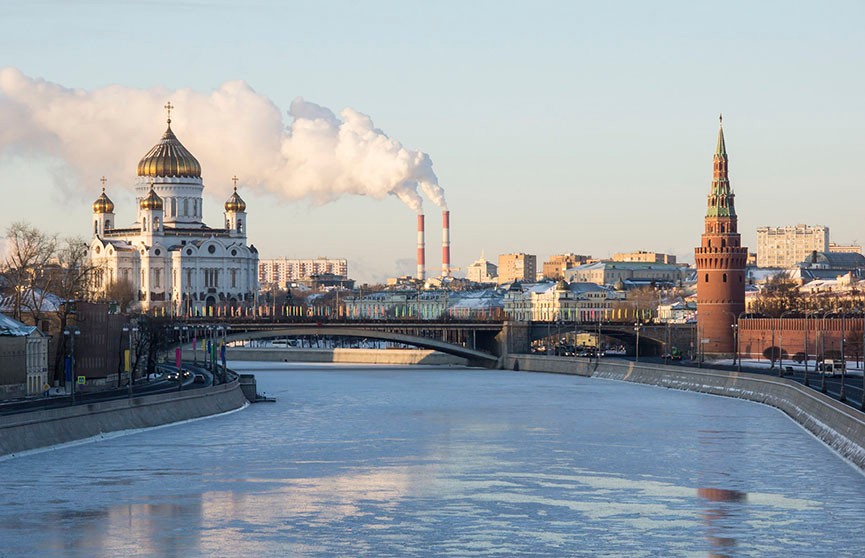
(571, 127)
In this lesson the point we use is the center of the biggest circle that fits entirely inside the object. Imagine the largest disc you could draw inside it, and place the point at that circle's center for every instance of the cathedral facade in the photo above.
(175, 263)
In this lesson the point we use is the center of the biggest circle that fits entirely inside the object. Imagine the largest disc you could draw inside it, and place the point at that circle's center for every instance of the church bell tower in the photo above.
(720, 261)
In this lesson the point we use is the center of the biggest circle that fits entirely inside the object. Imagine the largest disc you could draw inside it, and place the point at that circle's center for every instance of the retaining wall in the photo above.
(38, 429)
(839, 426)
(356, 356)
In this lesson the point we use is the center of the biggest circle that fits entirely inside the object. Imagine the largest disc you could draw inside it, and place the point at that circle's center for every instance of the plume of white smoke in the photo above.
(232, 130)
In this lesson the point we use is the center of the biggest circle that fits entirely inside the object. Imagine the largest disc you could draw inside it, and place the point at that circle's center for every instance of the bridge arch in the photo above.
(474, 357)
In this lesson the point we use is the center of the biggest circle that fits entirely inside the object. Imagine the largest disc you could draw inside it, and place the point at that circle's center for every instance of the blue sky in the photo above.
(553, 126)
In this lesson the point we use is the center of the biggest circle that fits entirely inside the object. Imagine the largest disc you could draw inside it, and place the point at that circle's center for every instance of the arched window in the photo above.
(107, 223)
(710, 243)
(723, 240)
(707, 278)
(144, 224)
(725, 277)
(240, 226)
(95, 227)
(185, 207)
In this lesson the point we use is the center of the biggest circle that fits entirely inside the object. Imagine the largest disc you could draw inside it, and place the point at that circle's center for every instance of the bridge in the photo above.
(479, 342)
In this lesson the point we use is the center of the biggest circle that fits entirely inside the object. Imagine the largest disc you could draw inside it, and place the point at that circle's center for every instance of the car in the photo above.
(199, 379)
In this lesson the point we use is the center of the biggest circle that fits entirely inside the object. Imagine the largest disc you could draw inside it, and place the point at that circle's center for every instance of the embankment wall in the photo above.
(38, 429)
(355, 356)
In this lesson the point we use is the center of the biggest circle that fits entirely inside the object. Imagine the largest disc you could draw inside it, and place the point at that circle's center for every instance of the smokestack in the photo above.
(421, 248)
(446, 243)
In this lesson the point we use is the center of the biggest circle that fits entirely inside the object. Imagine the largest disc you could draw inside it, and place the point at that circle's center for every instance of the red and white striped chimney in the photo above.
(421, 248)
(446, 243)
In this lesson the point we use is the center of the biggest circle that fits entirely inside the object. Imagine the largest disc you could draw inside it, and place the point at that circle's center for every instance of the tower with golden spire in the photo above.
(720, 261)
(235, 213)
(103, 212)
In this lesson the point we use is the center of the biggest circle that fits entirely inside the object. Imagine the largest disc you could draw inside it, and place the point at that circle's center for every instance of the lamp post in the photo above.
(781, 343)
(130, 329)
(842, 397)
(72, 332)
(736, 359)
(637, 327)
(823, 350)
(862, 403)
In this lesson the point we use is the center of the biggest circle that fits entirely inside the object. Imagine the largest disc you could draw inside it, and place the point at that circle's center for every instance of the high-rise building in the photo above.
(788, 246)
(482, 271)
(555, 267)
(645, 257)
(517, 267)
(283, 270)
(720, 263)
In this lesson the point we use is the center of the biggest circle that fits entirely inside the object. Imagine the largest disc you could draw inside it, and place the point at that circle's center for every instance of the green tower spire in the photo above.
(720, 203)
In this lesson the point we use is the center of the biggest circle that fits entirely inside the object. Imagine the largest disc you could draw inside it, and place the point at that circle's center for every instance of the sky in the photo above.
(551, 127)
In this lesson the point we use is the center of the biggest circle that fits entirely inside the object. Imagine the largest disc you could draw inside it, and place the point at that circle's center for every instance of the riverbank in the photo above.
(839, 426)
(51, 427)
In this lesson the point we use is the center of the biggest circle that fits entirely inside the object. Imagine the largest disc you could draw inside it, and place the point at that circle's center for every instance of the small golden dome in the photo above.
(151, 200)
(235, 202)
(103, 204)
(169, 158)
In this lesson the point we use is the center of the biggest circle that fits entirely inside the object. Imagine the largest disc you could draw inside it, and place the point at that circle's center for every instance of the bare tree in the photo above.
(780, 294)
(29, 253)
(123, 292)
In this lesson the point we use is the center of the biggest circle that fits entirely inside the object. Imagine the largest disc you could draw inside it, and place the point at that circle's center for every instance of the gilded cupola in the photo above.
(235, 202)
(169, 158)
(151, 200)
(103, 204)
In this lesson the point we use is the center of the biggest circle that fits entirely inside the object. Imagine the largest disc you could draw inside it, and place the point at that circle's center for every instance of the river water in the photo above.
(411, 461)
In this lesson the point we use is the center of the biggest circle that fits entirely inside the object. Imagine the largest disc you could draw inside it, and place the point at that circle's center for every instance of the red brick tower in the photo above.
(720, 264)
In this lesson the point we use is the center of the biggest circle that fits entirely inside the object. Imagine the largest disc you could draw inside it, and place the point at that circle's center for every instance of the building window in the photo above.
(95, 227)
(233, 278)
(185, 207)
(144, 224)
(725, 278)
(707, 278)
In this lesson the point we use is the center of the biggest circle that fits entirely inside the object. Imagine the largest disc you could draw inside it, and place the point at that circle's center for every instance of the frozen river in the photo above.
(372, 461)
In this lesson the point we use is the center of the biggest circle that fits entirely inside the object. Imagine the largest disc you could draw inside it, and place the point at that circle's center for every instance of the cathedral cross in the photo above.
(234, 179)
(168, 106)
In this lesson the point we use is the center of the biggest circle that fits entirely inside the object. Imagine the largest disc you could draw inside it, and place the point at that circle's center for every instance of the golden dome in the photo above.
(151, 200)
(103, 204)
(235, 202)
(169, 158)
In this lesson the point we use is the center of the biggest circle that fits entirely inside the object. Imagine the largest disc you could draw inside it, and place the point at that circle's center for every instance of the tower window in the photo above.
(725, 277)
(723, 240)
(95, 227)
(707, 278)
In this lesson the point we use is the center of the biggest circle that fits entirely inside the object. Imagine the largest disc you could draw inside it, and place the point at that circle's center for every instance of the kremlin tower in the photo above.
(720, 263)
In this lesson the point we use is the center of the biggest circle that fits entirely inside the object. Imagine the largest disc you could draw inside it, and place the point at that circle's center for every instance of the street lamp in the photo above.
(736, 358)
(130, 329)
(637, 327)
(781, 343)
(72, 332)
(842, 397)
(823, 349)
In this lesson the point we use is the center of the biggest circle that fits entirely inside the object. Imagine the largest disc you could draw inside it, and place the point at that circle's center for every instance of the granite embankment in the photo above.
(353, 356)
(39, 429)
(838, 425)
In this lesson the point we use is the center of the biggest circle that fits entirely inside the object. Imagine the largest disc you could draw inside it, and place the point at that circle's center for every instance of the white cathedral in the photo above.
(178, 265)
